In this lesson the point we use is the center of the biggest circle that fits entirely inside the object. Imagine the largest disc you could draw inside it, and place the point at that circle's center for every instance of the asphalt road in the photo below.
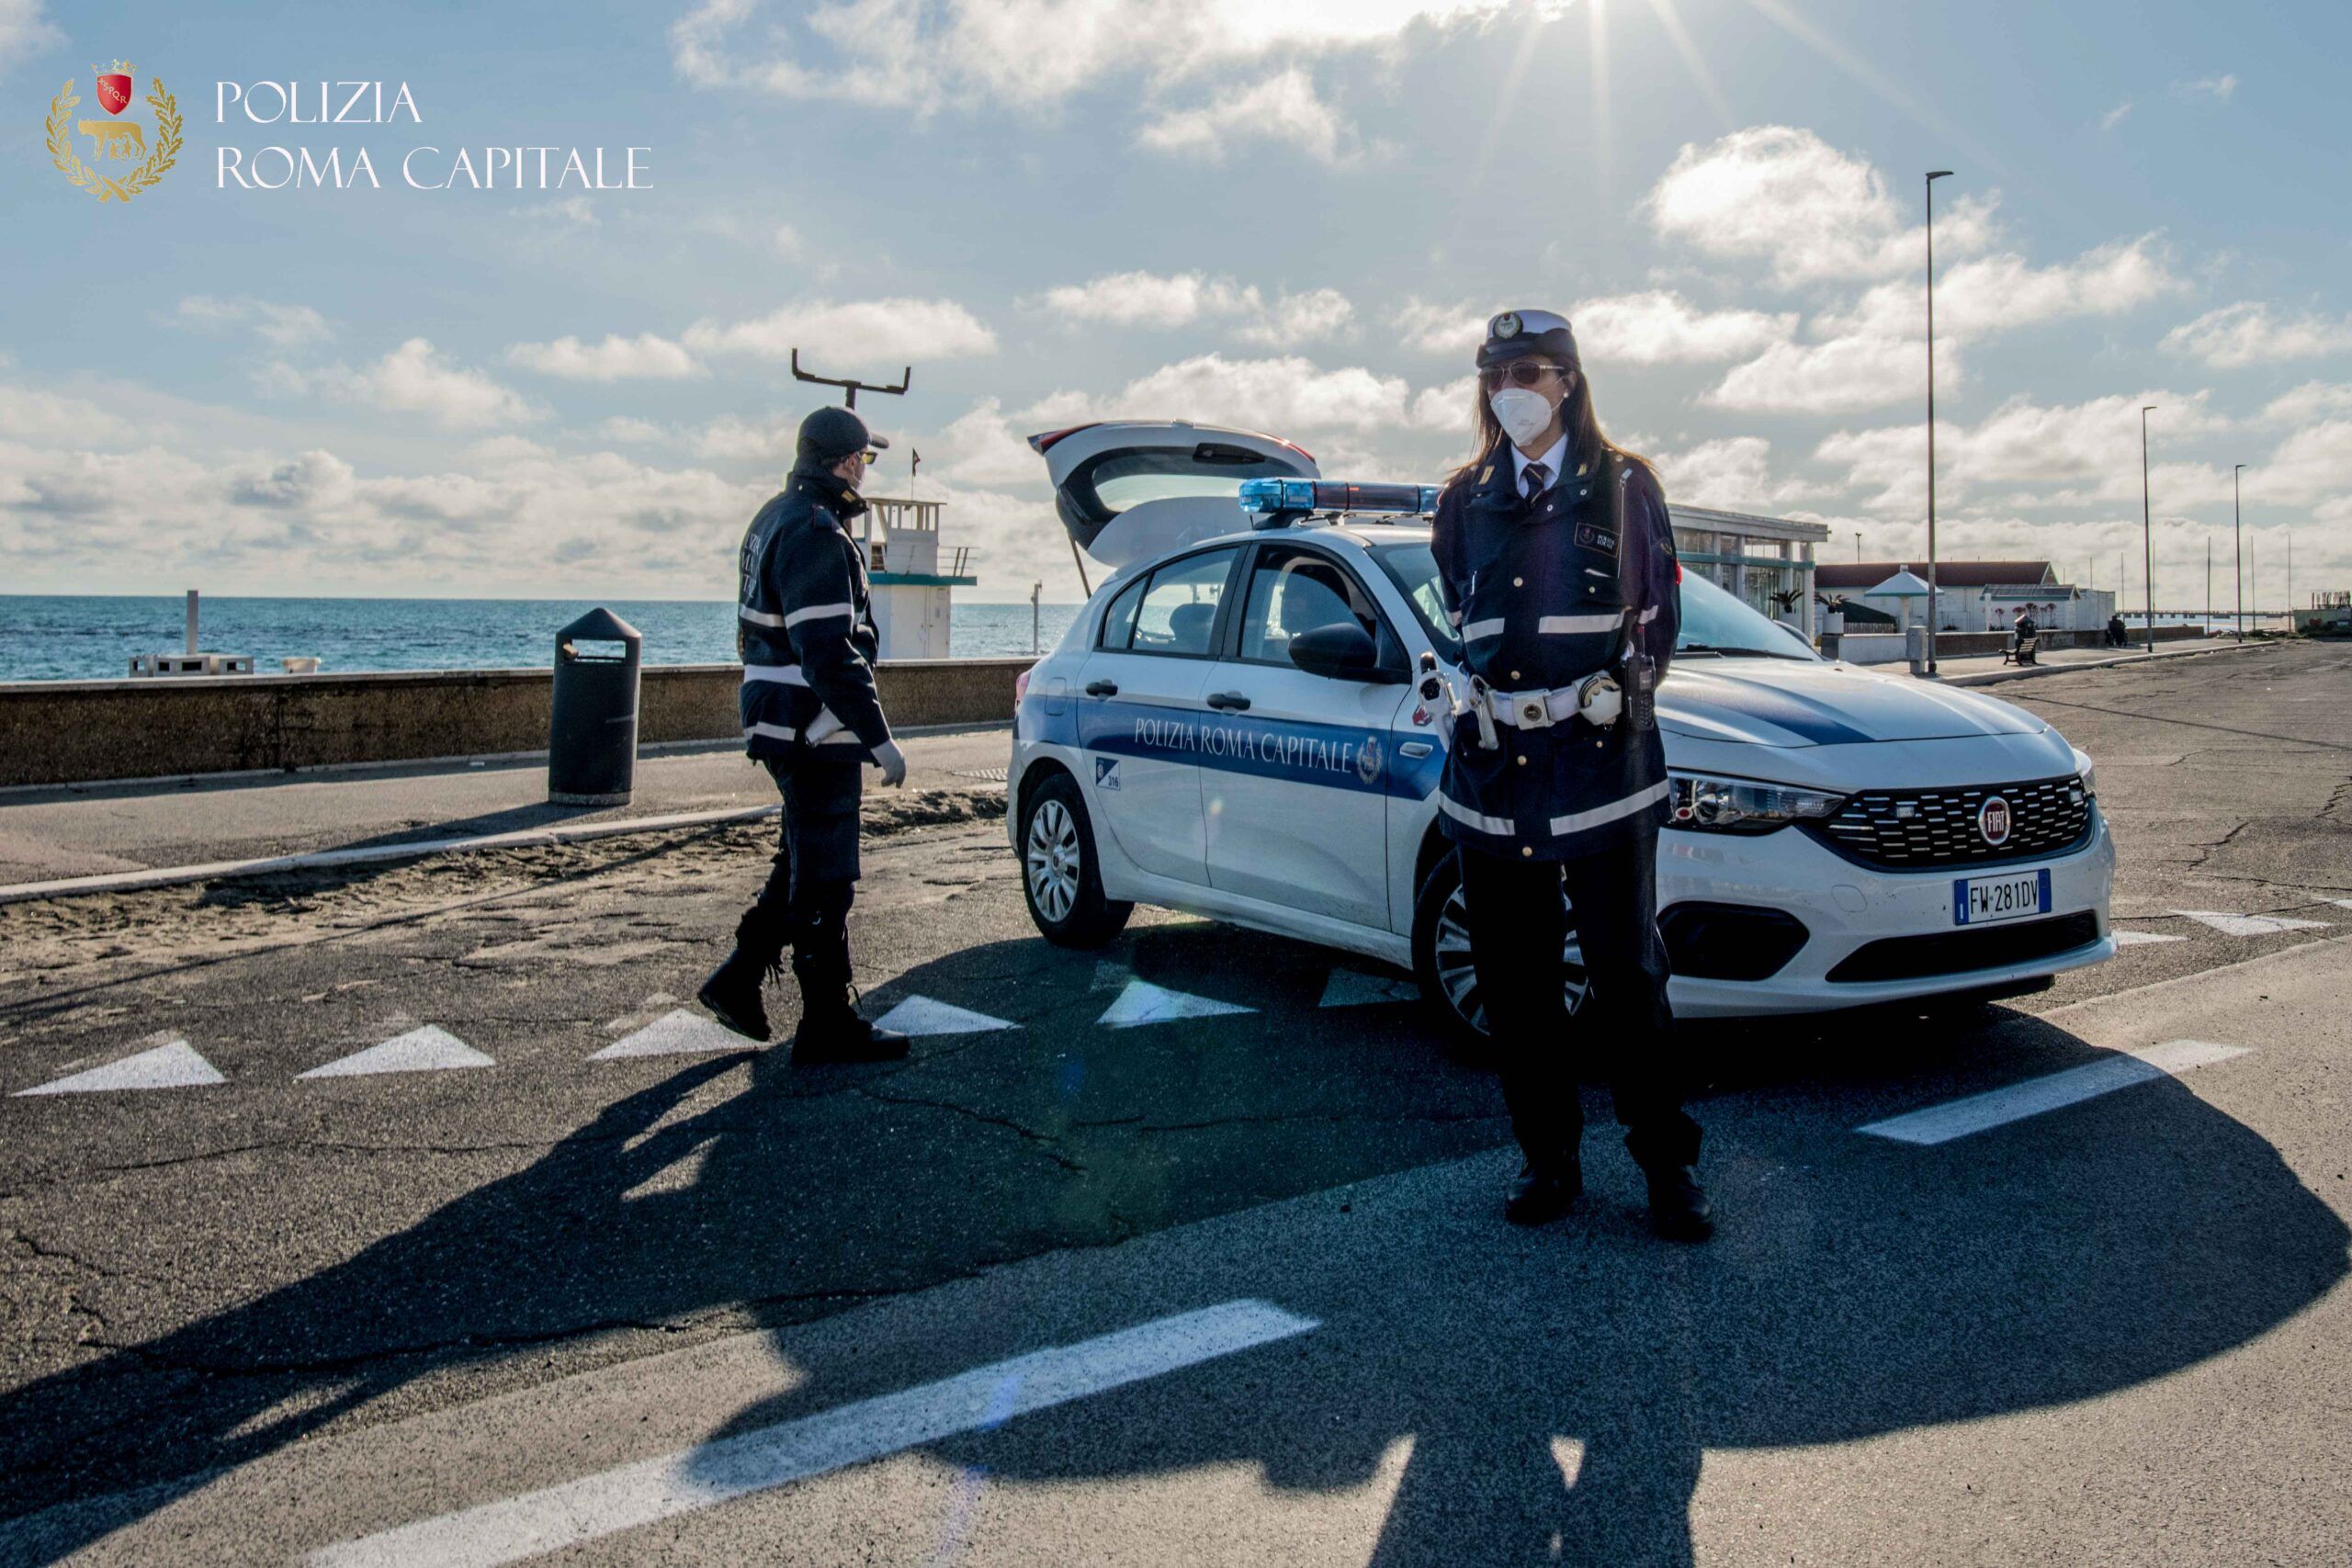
(1224, 1288)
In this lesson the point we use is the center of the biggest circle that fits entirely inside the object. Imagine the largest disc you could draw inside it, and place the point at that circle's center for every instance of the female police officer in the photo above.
(1557, 561)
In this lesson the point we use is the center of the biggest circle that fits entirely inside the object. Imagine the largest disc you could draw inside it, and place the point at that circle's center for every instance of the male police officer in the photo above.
(812, 714)
(1556, 558)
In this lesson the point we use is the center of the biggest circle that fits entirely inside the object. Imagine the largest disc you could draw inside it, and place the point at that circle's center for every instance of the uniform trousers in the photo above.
(1518, 928)
(814, 878)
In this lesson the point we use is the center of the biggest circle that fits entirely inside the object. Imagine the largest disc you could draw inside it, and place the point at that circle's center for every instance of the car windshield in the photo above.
(1713, 623)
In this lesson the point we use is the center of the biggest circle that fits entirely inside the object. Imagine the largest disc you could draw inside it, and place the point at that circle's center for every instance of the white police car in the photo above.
(1229, 728)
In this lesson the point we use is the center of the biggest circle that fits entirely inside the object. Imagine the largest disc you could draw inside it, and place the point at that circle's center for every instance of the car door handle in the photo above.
(1230, 701)
(1101, 688)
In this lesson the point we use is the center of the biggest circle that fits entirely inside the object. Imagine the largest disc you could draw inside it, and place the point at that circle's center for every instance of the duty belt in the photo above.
(1598, 696)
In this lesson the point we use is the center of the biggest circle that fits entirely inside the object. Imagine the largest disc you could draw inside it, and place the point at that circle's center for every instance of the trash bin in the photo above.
(591, 722)
(1915, 648)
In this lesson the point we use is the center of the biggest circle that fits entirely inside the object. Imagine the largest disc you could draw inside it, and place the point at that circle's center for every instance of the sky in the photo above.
(1292, 218)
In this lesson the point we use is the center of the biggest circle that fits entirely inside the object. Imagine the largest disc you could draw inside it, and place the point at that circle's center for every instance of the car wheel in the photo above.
(1060, 876)
(1442, 964)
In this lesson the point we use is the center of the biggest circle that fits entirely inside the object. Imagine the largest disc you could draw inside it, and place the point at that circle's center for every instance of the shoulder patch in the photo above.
(1486, 473)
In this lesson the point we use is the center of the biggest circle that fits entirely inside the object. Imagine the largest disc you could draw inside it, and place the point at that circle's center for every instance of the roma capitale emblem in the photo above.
(114, 140)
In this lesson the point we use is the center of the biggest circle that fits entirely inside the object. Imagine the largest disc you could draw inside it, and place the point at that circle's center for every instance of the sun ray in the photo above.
(1784, 17)
(1671, 20)
(1506, 96)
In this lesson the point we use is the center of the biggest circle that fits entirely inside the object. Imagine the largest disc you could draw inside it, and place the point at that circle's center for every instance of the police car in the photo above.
(1232, 729)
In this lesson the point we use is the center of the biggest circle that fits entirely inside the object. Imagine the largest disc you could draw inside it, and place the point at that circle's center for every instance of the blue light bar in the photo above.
(1294, 497)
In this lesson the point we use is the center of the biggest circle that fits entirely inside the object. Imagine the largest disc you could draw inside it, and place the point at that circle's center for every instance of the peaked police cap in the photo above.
(1514, 334)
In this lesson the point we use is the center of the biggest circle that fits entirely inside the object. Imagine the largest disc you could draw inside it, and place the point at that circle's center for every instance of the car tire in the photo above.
(1441, 965)
(1061, 877)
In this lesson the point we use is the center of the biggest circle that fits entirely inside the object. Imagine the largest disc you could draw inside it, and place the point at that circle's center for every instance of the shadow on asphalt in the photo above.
(1859, 1288)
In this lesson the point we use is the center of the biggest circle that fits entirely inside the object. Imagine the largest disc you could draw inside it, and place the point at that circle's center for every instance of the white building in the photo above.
(1978, 596)
(913, 600)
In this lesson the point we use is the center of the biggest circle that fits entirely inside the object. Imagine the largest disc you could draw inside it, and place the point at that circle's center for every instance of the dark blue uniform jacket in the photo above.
(804, 625)
(1543, 595)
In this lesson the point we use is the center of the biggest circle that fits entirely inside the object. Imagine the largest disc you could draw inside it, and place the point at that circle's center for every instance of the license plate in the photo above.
(1978, 900)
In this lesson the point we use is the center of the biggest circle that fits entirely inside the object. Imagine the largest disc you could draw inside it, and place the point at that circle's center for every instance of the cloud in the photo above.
(1782, 194)
(1733, 473)
(25, 30)
(1149, 299)
(2247, 334)
(2312, 400)
(982, 448)
(411, 379)
(1280, 396)
(287, 326)
(1663, 328)
(1999, 293)
(1427, 328)
(631, 431)
(1027, 54)
(46, 419)
(2221, 87)
(877, 332)
(2114, 117)
(1840, 375)
(1283, 109)
(645, 356)
(2064, 455)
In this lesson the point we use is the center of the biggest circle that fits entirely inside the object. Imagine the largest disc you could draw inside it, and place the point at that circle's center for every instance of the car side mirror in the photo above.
(1342, 651)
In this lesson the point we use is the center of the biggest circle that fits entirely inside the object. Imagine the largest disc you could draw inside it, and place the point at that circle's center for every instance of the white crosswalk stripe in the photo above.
(922, 1015)
(1142, 1002)
(169, 1062)
(2250, 925)
(1978, 1112)
(1353, 988)
(2135, 938)
(424, 1050)
(675, 1033)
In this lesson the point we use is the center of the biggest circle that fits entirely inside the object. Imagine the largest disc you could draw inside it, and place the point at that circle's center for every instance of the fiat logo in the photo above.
(1992, 821)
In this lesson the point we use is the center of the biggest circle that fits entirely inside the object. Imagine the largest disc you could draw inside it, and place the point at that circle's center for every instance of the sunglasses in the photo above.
(1517, 373)
(869, 458)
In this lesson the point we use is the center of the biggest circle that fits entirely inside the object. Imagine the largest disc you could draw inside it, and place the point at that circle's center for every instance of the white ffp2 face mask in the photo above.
(1520, 413)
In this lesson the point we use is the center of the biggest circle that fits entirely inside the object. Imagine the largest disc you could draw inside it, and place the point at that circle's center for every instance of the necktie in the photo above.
(1533, 479)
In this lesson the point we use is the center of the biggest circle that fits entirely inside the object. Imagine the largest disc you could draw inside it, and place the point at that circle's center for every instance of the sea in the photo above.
(93, 637)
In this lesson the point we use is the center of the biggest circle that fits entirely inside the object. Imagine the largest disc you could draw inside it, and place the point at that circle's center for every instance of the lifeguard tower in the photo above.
(912, 586)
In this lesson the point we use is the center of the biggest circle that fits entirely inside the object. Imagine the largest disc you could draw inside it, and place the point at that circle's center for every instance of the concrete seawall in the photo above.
(57, 732)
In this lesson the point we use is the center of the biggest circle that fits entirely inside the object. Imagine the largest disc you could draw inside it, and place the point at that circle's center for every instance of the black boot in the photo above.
(1542, 1193)
(830, 1029)
(1678, 1207)
(732, 992)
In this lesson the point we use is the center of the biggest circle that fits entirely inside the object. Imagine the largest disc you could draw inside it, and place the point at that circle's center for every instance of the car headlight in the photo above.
(2086, 769)
(1742, 805)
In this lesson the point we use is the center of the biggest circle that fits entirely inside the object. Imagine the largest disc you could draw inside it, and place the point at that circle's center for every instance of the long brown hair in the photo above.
(1587, 442)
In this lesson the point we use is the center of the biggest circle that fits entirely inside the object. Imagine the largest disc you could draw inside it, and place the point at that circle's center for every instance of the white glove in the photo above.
(1445, 725)
(892, 761)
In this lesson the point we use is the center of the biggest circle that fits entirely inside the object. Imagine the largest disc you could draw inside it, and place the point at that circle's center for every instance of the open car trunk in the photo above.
(1130, 489)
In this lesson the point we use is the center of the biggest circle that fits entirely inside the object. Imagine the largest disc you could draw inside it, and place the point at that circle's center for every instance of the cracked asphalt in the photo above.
(198, 1281)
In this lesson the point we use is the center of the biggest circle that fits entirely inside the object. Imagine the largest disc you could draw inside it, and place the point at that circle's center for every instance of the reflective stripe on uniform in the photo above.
(770, 731)
(1575, 624)
(1477, 629)
(1453, 617)
(783, 674)
(1576, 822)
(816, 613)
(758, 617)
(1461, 813)
(1647, 616)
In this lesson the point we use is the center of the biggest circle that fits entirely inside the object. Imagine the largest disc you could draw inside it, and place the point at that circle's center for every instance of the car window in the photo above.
(1293, 591)
(1177, 613)
(1715, 621)
(1413, 568)
(1119, 620)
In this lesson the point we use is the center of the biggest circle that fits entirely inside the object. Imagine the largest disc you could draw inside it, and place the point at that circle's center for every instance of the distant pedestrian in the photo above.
(811, 713)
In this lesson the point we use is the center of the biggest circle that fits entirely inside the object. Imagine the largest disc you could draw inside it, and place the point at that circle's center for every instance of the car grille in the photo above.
(1914, 830)
(1957, 952)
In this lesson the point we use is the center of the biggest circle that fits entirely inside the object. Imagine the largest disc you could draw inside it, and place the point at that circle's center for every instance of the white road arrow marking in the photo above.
(2250, 925)
(1958, 1117)
(425, 1050)
(1142, 1002)
(598, 1506)
(168, 1062)
(1350, 989)
(922, 1015)
(673, 1034)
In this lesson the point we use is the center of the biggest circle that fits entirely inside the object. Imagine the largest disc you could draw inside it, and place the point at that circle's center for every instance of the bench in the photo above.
(2022, 648)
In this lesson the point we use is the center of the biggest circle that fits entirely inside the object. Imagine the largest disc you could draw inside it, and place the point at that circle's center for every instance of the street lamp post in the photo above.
(2147, 538)
(1933, 609)
(2238, 538)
